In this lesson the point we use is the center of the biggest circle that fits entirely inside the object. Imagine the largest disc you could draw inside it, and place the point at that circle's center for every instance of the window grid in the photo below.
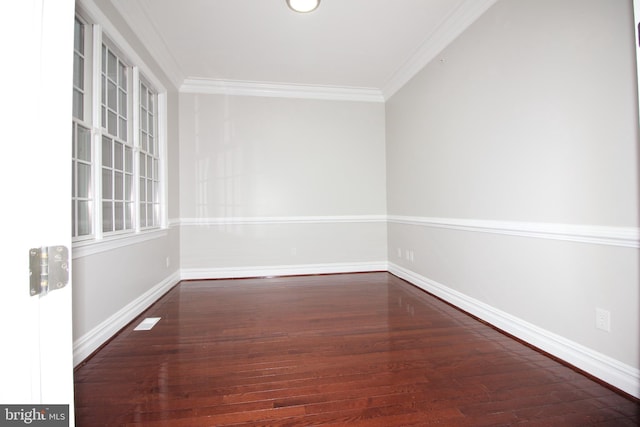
(82, 196)
(117, 154)
(114, 94)
(82, 153)
(149, 182)
(116, 187)
(78, 70)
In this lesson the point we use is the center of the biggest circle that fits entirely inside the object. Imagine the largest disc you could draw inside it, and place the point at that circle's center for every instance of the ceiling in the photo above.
(366, 47)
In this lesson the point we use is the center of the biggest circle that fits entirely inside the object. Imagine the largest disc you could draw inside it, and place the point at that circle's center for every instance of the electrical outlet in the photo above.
(167, 262)
(603, 319)
(399, 253)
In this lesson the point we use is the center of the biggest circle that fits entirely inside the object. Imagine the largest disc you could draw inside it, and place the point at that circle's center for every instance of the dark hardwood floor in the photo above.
(353, 349)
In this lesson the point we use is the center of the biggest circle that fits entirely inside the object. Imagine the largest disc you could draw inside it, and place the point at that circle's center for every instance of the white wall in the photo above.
(277, 182)
(528, 121)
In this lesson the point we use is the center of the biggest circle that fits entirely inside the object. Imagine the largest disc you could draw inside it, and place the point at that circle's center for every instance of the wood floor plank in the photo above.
(352, 349)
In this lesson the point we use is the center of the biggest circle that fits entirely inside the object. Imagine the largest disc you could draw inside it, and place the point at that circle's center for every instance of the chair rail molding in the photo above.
(594, 234)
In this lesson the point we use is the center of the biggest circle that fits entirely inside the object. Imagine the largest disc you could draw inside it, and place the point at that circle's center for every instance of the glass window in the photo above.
(78, 69)
(82, 155)
(116, 178)
(149, 175)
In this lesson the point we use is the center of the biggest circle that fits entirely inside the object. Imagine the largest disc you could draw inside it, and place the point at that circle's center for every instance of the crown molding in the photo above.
(450, 28)
(136, 16)
(248, 88)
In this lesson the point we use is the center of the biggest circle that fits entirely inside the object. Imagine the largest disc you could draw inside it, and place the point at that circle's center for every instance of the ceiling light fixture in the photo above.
(303, 6)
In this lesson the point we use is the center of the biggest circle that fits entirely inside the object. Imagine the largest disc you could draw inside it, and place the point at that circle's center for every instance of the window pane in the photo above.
(84, 180)
(103, 117)
(112, 67)
(112, 126)
(84, 218)
(78, 104)
(143, 215)
(143, 188)
(149, 167)
(143, 95)
(107, 185)
(149, 216)
(103, 90)
(78, 71)
(143, 121)
(119, 216)
(123, 76)
(128, 216)
(73, 218)
(149, 190)
(152, 145)
(118, 184)
(84, 144)
(123, 128)
(104, 60)
(143, 141)
(78, 36)
(143, 164)
(155, 168)
(128, 159)
(74, 183)
(118, 152)
(107, 154)
(122, 103)
(112, 95)
(107, 217)
(156, 214)
(128, 187)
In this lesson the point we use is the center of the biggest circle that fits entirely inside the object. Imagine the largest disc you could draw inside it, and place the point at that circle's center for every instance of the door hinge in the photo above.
(48, 269)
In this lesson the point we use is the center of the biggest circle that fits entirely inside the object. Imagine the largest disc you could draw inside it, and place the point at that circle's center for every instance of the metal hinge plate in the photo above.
(48, 269)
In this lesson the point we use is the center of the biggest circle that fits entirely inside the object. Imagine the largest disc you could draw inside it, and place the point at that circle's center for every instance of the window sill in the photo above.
(91, 247)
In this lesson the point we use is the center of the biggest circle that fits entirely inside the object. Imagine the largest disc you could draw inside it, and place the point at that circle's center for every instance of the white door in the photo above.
(36, 39)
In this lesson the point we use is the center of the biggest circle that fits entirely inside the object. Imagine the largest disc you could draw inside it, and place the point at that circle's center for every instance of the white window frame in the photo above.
(101, 28)
(85, 122)
(150, 131)
(125, 140)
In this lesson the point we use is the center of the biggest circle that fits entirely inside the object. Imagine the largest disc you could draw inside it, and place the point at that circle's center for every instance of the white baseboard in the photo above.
(92, 340)
(607, 369)
(280, 270)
